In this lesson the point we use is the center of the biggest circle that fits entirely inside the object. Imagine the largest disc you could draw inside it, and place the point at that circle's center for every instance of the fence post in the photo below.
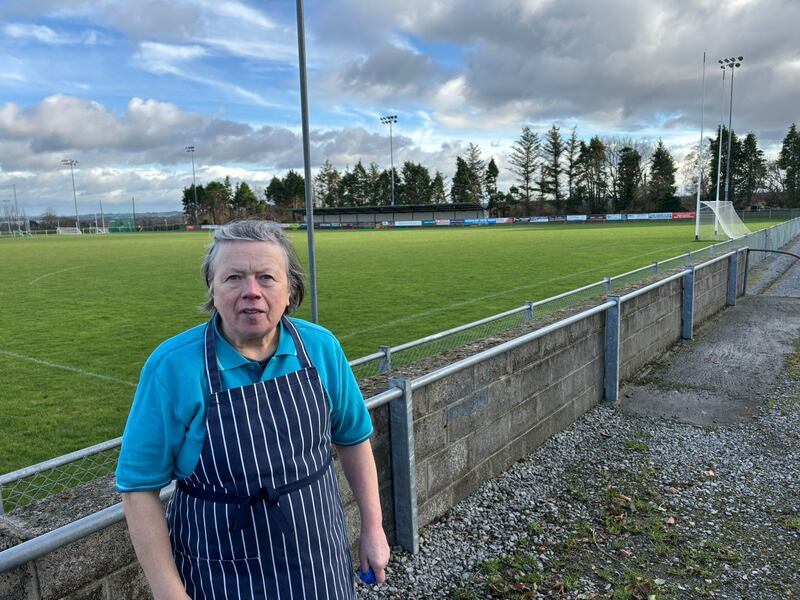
(607, 284)
(613, 321)
(386, 362)
(688, 260)
(655, 268)
(2, 510)
(746, 269)
(733, 268)
(528, 311)
(687, 306)
(404, 471)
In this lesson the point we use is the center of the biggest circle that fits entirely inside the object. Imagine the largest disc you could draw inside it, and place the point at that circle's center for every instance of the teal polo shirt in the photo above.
(166, 430)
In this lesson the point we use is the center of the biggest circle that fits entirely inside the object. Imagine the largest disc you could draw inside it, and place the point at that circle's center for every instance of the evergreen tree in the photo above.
(460, 188)
(551, 167)
(789, 162)
(475, 167)
(524, 161)
(438, 195)
(592, 189)
(736, 165)
(571, 170)
(752, 172)
(294, 190)
(215, 200)
(190, 209)
(630, 177)
(326, 185)
(490, 178)
(245, 202)
(662, 180)
(375, 193)
(416, 186)
(274, 193)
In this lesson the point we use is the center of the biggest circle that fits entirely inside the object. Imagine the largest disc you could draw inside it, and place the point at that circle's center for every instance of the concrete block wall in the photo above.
(650, 324)
(710, 290)
(473, 425)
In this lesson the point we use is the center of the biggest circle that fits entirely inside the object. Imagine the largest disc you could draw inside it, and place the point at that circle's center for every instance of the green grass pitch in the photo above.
(81, 314)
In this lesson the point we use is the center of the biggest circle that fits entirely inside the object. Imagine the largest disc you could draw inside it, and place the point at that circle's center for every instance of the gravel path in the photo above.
(625, 506)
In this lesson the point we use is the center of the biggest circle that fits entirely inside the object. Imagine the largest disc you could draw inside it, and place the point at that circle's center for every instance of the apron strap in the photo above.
(302, 354)
(212, 368)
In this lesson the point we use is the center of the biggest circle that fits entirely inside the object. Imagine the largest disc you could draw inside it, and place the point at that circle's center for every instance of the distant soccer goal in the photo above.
(68, 231)
(718, 220)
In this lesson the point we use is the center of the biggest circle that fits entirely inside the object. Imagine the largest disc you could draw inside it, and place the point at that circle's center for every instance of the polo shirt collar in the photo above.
(228, 358)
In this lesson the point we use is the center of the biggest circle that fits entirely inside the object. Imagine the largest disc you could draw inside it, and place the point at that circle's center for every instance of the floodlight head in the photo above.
(190, 148)
(740, 58)
(738, 65)
(720, 61)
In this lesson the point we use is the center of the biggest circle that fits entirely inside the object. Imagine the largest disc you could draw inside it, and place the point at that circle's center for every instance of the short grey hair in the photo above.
(252, 230)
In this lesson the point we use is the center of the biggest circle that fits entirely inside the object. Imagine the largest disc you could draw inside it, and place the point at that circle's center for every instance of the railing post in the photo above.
(655, 268)
(2, 510)
(687, 306)
(612, 354)
(404, 471)
(688, 260)
(733, 268)
(607, 284)
(528, 315)
(746, 270)
(386, 362)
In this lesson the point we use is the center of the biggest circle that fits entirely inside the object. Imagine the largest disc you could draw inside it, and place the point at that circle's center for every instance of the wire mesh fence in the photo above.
(27, 486)
(58, 479)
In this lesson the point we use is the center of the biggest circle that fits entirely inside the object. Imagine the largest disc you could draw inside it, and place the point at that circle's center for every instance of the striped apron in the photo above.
(260, 516)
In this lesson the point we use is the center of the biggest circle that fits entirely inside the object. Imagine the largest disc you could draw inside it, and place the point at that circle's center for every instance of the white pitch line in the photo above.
(487, 297)
(46, 363)
(46, 275)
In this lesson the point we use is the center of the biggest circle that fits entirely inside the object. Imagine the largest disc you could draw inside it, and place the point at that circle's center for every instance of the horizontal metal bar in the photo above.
(569, 293)
(645, 268)
(459, 329)
(32, 549)
(653, 286)
(504, 347)
(365, 359)
(59, 461)
(716, 259)
(383, 398)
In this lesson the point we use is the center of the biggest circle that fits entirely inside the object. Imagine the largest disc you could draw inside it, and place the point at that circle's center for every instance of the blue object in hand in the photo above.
(368, 577)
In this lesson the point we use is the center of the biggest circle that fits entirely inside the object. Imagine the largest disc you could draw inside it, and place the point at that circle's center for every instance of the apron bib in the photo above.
(261, 516)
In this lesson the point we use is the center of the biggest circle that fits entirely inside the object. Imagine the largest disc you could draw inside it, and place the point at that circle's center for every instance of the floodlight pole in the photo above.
(133, 208)
(16, 207)
(700, 152)
(389, 120)
(301, 58)
(733, 64)
(71, 163)
(190, 150)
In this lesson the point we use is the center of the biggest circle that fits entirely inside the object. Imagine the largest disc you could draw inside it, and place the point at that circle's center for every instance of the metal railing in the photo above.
(26, 486)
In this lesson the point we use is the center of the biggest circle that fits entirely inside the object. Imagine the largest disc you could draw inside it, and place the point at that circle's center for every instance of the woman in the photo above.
(242, 411)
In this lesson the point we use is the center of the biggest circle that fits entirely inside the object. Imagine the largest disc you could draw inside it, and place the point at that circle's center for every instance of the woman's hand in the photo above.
(358, 465)
(373, 552)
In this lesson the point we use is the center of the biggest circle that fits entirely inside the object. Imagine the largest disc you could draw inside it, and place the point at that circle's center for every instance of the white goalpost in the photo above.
(719, 220)
(68, 231)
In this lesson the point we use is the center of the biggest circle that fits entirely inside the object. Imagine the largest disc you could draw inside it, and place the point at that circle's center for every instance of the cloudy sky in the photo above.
(122, 86)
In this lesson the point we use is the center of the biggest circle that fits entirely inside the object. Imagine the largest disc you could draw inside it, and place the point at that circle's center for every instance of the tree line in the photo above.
(552, 174)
